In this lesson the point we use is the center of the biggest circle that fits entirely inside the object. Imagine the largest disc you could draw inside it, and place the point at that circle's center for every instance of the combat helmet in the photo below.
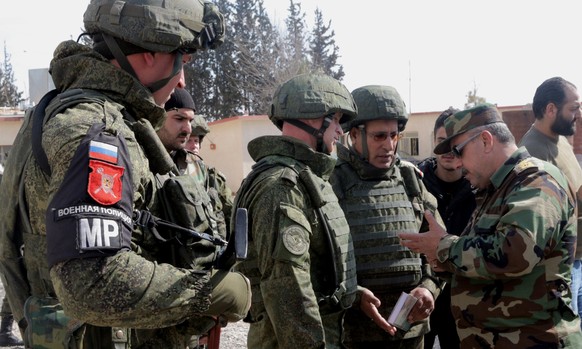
(311, 96)
(199, 127)
(122, 27)
(378, 102)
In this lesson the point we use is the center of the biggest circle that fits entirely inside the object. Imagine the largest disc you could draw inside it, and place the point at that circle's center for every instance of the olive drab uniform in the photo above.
(301, 262)
(185, 201)
(102, 156)
(379, 204)
(213, 181)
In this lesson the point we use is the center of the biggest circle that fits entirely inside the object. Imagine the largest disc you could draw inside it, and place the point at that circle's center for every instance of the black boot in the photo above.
(7, 339)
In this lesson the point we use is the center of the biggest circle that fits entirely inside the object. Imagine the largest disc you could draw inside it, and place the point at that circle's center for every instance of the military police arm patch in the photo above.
(294, 241)
(105, 185)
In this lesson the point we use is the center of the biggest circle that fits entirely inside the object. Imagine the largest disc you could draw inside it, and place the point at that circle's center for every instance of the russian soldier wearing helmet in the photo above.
(301, 262)
(382, 195)
(81, 247)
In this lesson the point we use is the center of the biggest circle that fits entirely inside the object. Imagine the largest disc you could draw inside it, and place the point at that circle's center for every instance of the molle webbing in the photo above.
(376, 212)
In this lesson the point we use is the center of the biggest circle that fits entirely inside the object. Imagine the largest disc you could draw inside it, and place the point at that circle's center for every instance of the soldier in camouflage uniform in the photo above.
(511, 265)
(301, 262)
(211, 178)
(102, 155)
(381, 196)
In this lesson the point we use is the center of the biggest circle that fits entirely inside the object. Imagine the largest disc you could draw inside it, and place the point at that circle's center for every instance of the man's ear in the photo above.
(551, 111)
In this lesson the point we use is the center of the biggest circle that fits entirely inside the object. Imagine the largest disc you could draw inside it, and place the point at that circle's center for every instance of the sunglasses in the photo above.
(382, 136)
(457, 150)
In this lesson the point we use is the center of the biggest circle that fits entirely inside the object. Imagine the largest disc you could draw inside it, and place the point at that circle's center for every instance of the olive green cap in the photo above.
(466, 120)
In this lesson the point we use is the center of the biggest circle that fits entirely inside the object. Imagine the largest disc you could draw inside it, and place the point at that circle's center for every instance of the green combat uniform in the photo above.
(301, 262)
(511, 265)
(78, 222)
(378, 204)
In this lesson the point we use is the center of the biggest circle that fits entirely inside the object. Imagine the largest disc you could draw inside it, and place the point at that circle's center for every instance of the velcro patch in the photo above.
(103, 151)
(293, 240)
(98, 233)
(104, 184)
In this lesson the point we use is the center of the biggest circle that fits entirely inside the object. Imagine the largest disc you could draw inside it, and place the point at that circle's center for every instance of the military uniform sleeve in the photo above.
(429, 280)
(282, 237)
(526, 228)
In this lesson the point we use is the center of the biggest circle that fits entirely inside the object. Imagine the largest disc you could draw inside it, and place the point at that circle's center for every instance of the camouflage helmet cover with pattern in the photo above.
(158, 25)
(199, 126)
(377, 102)
(311, 96)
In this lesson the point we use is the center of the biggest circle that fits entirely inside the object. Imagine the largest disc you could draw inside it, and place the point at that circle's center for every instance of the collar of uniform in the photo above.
(501, 174)
(320, 164)
(77, 66)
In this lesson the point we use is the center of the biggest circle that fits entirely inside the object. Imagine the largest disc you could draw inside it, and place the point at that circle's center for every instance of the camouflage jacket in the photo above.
(124, 288)
(289, 263)
(211, 178)
(379, 203)
(511, 266)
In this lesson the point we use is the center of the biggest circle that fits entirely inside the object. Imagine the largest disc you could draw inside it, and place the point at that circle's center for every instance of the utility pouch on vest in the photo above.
(186, 203)
(48, 326)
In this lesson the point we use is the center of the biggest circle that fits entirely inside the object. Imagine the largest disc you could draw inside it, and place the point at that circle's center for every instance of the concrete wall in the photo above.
(225, 147)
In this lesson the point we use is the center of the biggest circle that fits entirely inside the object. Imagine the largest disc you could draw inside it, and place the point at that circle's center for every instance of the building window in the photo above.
(408, 144)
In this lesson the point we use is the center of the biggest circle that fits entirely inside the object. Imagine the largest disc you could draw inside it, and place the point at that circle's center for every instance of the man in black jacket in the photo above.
(443, 177)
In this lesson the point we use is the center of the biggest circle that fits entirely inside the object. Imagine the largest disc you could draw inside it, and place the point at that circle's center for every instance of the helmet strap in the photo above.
(364, 137)
(125, 65)
(317, 133)
(118, 54)
(178, 64)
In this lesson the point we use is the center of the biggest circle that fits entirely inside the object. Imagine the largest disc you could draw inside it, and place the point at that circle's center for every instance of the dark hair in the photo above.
(440, 121)
(553, 90)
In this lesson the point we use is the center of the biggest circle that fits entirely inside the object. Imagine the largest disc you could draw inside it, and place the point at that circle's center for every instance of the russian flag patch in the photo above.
(103, 151)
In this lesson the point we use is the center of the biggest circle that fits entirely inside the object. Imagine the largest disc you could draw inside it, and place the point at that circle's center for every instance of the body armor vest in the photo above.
(331, 217)
(183, 201)
(376, 212)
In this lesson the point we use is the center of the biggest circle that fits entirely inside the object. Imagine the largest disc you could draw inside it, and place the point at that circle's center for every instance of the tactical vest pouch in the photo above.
(187, 204)
(48, 326)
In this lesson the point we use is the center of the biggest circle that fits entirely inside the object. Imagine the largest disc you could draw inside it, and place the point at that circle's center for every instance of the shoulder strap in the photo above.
(66, 100)
(37, 123)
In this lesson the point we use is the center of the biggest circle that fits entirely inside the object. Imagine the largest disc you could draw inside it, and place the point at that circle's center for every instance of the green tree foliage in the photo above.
(324, 52)
(9, 95)
(241, 76)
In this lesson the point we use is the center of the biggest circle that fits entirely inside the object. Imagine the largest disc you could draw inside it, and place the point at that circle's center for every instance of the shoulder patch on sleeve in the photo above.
(293, 240)
(105, 185)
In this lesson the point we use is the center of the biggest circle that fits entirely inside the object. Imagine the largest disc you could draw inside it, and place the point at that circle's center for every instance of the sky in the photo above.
(432, 51)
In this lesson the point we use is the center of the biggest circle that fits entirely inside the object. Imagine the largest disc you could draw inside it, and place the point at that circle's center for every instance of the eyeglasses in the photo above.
(457, 150)
(382, 136)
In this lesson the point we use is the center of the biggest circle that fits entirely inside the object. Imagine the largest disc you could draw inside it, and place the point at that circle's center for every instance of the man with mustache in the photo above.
(381, 196)
(556, 107)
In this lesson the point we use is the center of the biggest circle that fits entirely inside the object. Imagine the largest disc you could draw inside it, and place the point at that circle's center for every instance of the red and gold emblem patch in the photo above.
(105, 182)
